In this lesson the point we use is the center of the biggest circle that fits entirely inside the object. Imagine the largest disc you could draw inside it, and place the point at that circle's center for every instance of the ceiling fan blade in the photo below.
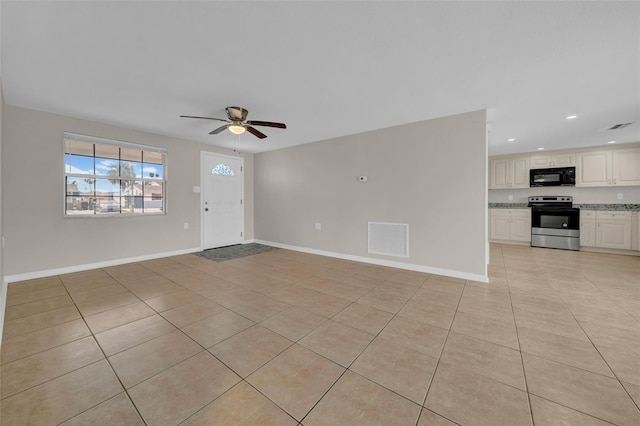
(205, 118)
(219, 129)
(255, 132)
(267, 123)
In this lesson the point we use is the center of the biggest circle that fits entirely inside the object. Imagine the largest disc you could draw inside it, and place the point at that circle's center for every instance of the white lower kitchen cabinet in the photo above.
(587, 230)
(510, 224)
(635, 230)
(613, 229)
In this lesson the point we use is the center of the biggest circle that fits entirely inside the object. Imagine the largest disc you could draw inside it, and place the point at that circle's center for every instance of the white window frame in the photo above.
(120, 144)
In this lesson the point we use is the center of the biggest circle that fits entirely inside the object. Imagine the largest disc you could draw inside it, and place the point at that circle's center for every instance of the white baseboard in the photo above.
(87, 266)
(382, 262)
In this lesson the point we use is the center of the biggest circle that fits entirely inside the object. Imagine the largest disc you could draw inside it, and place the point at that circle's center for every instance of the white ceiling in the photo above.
(330, 68)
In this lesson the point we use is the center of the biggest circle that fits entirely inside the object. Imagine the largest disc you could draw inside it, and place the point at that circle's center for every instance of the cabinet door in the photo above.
(521, 228)
(588, 233)
(626, 167)
(500, 227)
(635, 230)
(540, 162)
(520, 172)
(614, 234)
(499, 174)
(594, 169)
(564, 160)
(559, 160)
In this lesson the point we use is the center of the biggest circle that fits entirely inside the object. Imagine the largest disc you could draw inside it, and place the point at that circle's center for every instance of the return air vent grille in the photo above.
(619, 126)
(391, 239)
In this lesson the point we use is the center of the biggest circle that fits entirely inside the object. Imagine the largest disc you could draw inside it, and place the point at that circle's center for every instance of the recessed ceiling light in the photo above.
(571, 117)
(511, 139)
(540, 149)
(611, 142)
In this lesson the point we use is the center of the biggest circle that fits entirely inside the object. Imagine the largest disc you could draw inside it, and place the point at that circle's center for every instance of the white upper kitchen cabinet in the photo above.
(511, 172)
(594, 168)
(550, 161)
(619, 167)
(626, 167)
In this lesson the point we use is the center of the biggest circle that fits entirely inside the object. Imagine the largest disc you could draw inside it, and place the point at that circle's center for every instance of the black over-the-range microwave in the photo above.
(561, 176)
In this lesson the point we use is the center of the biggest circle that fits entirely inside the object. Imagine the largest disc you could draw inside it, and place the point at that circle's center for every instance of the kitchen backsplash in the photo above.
(630, 194)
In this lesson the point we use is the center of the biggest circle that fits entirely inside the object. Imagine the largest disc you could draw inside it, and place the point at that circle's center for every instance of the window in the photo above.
(105, 177)
(222, 169)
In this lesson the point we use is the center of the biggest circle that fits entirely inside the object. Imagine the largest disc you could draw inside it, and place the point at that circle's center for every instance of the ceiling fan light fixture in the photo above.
(236, 129)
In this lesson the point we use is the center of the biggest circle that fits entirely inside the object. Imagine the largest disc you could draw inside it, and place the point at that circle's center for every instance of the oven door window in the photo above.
(560, 219)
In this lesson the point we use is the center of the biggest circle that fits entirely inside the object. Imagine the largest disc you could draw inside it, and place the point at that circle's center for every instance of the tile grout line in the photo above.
(515, 323)
(124, 389)
(569, 365)
(435, 370)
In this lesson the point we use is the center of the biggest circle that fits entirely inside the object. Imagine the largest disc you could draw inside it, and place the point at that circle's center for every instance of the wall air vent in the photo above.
(619, 126)
(391, 239)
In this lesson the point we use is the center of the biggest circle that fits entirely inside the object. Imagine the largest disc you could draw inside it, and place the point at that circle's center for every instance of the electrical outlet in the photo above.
(620, 196)
(510, 197)
(318, 226)
(186, 225)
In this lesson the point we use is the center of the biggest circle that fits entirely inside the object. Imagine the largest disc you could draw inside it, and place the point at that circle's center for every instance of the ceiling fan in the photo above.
(238, 124)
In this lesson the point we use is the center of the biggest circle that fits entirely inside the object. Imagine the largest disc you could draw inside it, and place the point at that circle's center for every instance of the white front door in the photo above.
(222, 204)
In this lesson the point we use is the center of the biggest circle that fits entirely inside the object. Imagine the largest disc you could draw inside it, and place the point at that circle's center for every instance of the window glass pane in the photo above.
(153, 205)
(132, 188)
(153, 190)
(79, 186)
(152, 171)
(106, 187)
(222, 169)
(130, 169)
(79, 206)
(132, 204)
(107, 205)
(107, 151)
(152, 157)
(79, 148)
(107, 167)
(131, 154)
(78, 164)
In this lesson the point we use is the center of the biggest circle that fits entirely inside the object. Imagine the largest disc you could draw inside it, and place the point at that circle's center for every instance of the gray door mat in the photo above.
(236, 251)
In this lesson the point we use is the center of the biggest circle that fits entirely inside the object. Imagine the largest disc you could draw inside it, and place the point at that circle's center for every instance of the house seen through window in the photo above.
(105, 177)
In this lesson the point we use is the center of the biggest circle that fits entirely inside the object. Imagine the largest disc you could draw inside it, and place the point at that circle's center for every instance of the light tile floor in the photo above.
(290, 338)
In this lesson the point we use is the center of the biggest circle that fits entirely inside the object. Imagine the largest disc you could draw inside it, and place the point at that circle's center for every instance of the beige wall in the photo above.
(39, 238)
(430, 174)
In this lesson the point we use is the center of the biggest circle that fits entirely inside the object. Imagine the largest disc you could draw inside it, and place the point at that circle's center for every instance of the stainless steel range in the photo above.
(555, 223)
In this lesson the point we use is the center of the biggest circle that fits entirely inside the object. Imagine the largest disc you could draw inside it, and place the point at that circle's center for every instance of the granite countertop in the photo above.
(580, 206)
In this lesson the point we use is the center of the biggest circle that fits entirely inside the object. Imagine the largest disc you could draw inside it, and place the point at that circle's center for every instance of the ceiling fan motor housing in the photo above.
(236, 113)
